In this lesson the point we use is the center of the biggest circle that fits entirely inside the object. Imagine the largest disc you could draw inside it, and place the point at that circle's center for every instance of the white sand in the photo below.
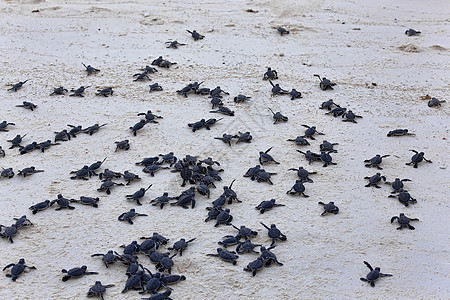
(323, 257)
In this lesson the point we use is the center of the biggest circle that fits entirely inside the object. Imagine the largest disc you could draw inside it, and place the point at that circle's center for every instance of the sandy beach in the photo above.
(380, 74)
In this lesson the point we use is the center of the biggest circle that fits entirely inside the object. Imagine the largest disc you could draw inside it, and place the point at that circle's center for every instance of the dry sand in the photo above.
(323, 256)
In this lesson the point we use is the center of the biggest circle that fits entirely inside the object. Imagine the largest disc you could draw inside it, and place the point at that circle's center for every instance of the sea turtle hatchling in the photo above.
(59, 91)
(245, 232)
(197, 36)
(270, 74)
(94, 128)
(180, 245)
(277, 90)
(337, 111)
(141, 76)
(298, 189)
(397, 185)
(267, 205)
(226, 138)
(160, 296)
(274, 233)
(229, 240)
(129, 177)
(244, 137)
(28, 171)
(295, 94)
(62, 203)
(75, 130)
(82, 173)
(268, 256)
(223, 110)
(155, 87)
(303, 174)
(90, 69)
(310, 156)
(7, 173)
(241, 98)
(329, 104)
(2, 152)
(150, 117)
(28, 105)
(247, 247)
(278, 117)
(22, 222)
(325, 83)
(107, 185)
(216, 102)
(329, 208)
(417, 158)
(87, 201)
(9, 232)
(4, 125)
(79, 91)
(95, 166)
(228, 256)
(264, 176)
(136, 196)
(17, 269)
(310, 131)
(326, 158)
(174, 44)
(76, 272)
(300, 140)
(152, 169)
(46, 145)
(149, 69)
(327, 146)
(62, 135)
(435, 102)
(15, 142)
(282, 31)
(403, 221)
(224, 217)
(255, 266)
(399, 132)
(373, 275)
(349, 116)
(105, 92)
(122, 145)
(17, 86)
(98, 289)
(28, 148)
(375, 161)
(130, 215)
(265, 157)
(40, 206)
(108, 258)
(217, 92)
(404, 197)
(411, 32)
(139, 125)
(374, 180)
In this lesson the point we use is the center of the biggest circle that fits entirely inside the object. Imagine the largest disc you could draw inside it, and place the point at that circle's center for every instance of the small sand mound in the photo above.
(438, 47)
(409, 48)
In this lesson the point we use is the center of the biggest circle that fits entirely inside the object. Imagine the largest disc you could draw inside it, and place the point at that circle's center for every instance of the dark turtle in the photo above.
(93, 129)
(180, 245)
(155, 87)
(162, 200)
(197, 125)
(224, 217)
(350, 116)
(7, 173)
(149, 69)
(228, 256)
(22, 222)
(255, 266)
(417, 158)
(266, 205)
(153, 285)
(375, 161)
(277, 90)
(62, 135)
(138, 195)
(28, 105)
(130, 215)
(264, 176)
(157, 62)
(17, 269)
(98, 289)
(17, 86)
(268, 256)
(325, 83)
(40, 206)
(129, 177)
(95, 166)
(62, 203)
(326, 158)
(298, 189)
(76, 272)
(141, 76)
(245, 232)
(310, 156)
(29, 171)
(133, 281)
(213, 212)
(310, 131)
(204, 91)
(265, 158)
(153, 168)
(295, 94)
(411, 32)
(217, 92)
(282, 31)
(2, 152)
(148, 161)
(167, 279)
(223, 110)
(160, 296)
(270, 74)
(329, 208)
(90, 69)
(328, 104)
(373, 275)
(397, 185)
(16, 141)
(229, 240)
(274, 233)
(28, 148)
(4, 125)
(159, 239)
(107, 185)
(79, 91)
(303, 174)
(435, 102)
(108, 174)
(196, 86)
(219, 202)
(278, 117)
(156, 256)
(137, 126)
(87, 201)
(166, 64)
(403, 221)
(229, 194)
(150, 117)
(404, 197)
(300, 140)
(186, 174)
(197, 36)
(253, 172)
(105, 92)
(82, 173)
(247, 247)
(185, 199)
(399, 132)
(216, 102)
(373, 180)
(174, 44)
(46, 145)
(327, 146)
(122, 145)
(133, 269)
(75, 130)
(226, 138)
(337, 111)
(244, 137)
(241, 98)
(211, 122)
(9, 232)
(59, 91)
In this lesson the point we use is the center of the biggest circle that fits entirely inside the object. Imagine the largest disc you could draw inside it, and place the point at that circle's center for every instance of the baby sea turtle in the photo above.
(152, 169)
(155, 87)
(98, 289)
(162, 200)
(245, 232)
(160, 296)
(46, 145)
(266, 205)
(268, 256)
(241, 98)
(109, 174)
(22, 222)
(130, 215)
(264, 176)
(224, 217)
(411, 32)
(223, 110)
(122, 145)
(329, 208)
(298, 189)
(148, 161)
(62, 202)
(326, 158)
(226, 138)
(129, 177)
(2, 152)
(75, 130)
(17, 86)
(105, 92)
(373, 180)
(181, 245)
(228, 256)
(9, 232)
(82, 173)
(76, 272)
(29, 171)
(274, 233)
(138, 195)
(295, 94)
(404, 197)
(328, 104)
(229, 240)
(244, 137)
(300, 140)
(247, 247)
(94, 128)
(403, 221)
(303, 174)
(417, 158)
(90, 69)
(337, 111)
(350, 116)
(174, 44)
(107, 185)
(141, 76)
(79, 91)
(40, 206)
(95, 166)
(197, 36)
(59, 91)
(166, 64)
(217, 92)
(16, 141)
(270, 74)
(435, 102)
(375, 161)
(310, 131)
(277, 90)
(265, 157)
(255, 266)
(87, 201)
(216, 102)
(17, 269)
(28, 148)
(397, 185)
(4, 125)
(325, 83)
(62, 135)
(310, 156)
(399, 132)
(149, 69)
(150, 117)
(282, 31)
(373, 275)
(278, 117)
(327, 146)
(134, 281)
(197, 125)
(7, 173)
(28, 105)
(137, 126)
